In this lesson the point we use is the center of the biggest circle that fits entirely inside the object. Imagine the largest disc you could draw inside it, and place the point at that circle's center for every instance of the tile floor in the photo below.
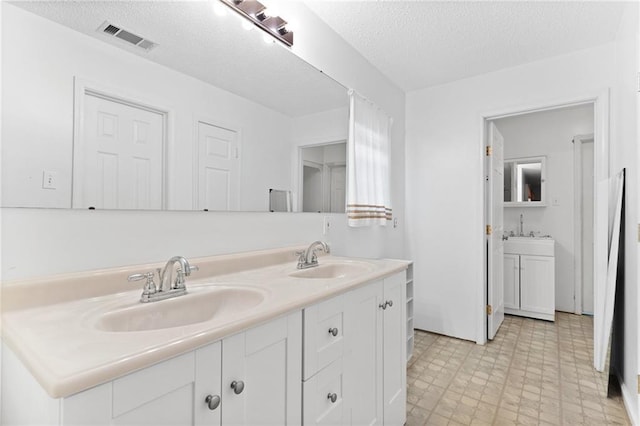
(534, 373)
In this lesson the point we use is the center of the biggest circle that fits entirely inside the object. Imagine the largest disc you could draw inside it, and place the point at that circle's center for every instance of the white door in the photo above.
(118, 164)
(394, 350)
(512, 281)
(217, 168)
(312, 177)
(587, 227)
(262, 374)
(338, 189)
(495, 245)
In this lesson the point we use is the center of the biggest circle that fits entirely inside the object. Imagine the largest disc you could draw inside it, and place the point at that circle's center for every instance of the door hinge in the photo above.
(489, 310)
(638, 383)
(489, 230)
(488, 151)
(639, 232)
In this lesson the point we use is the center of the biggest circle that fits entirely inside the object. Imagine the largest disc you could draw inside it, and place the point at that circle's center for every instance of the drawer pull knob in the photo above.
(333, 331)
(332, 397)
(390, 303)
(213, 401)
(237, 386)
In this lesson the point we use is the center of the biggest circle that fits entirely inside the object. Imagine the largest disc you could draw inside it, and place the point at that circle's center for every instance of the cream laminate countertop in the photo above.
(61, 346)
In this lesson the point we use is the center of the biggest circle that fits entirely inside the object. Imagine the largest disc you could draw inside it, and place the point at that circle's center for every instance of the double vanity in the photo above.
(529, 277)
(256, 339)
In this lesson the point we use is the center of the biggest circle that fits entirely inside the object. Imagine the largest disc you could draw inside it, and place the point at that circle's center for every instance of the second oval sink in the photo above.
(197, 306)
(332, 270)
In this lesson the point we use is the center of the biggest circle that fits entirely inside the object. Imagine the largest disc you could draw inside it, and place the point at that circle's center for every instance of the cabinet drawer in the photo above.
(323, 335)
(318, 408)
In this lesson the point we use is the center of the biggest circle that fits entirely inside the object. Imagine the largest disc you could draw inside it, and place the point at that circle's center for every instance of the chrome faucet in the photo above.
(308, 258)
(166, 288)
(521, 234)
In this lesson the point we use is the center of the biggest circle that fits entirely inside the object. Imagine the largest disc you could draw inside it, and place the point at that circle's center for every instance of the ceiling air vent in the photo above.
(127, 36)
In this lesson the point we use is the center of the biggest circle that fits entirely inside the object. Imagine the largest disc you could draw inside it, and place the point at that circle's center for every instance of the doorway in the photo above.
(554, 201)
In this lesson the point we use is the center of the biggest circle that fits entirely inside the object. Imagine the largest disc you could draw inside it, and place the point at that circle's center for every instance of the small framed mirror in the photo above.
(524, 182)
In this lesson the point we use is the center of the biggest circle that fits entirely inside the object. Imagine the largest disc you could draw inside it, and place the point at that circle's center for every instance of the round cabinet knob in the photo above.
(213, 401)
(333, 331)
(332, 397)
(383, 305)
(237, 386)
(390, 303)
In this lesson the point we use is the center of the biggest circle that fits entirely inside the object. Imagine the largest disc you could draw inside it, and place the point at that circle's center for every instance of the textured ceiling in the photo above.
(417, 44)
(192, 39)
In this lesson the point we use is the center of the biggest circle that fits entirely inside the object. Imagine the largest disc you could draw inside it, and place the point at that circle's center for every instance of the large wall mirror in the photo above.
(524, 182)
(210, 116)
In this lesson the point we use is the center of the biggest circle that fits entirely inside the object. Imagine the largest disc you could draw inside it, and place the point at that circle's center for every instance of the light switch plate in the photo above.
(49, 179)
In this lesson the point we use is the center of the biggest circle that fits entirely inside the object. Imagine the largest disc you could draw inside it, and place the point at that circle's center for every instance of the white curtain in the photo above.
(368, 197)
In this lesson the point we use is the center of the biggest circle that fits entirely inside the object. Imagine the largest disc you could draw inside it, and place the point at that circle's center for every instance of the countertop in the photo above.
(60, 345)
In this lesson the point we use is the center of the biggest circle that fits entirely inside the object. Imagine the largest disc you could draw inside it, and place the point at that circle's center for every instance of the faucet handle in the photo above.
(192, 268)
(149, 286)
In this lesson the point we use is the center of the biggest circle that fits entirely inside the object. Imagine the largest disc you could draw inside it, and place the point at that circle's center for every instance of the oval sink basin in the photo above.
(333, 270)
(196, 306)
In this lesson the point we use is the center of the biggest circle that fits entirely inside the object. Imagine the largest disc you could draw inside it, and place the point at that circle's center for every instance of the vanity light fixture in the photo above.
(257, 13)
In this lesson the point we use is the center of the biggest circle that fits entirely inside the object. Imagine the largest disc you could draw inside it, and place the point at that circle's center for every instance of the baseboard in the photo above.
(629, 397)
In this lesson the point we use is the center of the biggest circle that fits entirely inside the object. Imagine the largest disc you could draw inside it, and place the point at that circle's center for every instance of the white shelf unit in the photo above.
(410, 293)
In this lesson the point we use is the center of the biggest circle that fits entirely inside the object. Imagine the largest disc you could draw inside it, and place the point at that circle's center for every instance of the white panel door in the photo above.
(338, 189)
(363, 354)
(537, 277)
(264, 366)
(512, 281)
(217, 168)
(495, 244)
(119, 162)
(394, 350)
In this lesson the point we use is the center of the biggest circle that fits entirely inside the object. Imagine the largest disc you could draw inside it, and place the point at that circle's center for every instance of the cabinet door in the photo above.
(321, 406)
(266, 362)
(394, 353)
(537, 284)
(512, 281)
(363, 355)
(161, 394)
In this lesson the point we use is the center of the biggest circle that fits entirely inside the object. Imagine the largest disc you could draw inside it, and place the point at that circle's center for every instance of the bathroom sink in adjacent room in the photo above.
(199, 305)
(333, 270)
(541, 246)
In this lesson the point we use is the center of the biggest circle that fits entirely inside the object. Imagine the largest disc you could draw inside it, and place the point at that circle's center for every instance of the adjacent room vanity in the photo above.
(326, 346)
(529, 277)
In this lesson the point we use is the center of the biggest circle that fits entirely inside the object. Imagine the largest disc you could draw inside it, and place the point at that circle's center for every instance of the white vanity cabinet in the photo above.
(265, 361)
(529, 278)
(364, 364)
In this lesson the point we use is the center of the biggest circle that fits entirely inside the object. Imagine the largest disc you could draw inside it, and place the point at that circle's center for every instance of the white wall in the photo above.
(444, 157)
(41, 59)
(68, 240)
(550, 133)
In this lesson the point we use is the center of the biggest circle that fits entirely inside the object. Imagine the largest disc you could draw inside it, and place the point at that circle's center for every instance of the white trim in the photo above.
(627, 399)
(578, 141)
(601, 111)
(232, 127)
(83, 87)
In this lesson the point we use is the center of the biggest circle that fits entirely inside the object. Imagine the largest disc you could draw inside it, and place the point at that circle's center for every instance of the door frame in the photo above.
(299, 169)
(83, 87)
(601, 111)
(578, 142)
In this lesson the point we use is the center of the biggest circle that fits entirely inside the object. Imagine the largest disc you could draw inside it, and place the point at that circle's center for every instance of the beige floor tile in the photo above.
(533, 373)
